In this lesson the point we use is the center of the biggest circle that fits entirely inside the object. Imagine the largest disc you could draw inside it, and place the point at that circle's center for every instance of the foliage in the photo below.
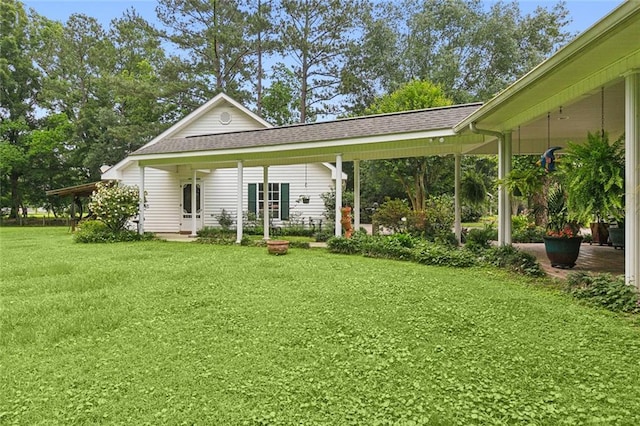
(115, 204)
(514, 260)
(392, 214)
(595, 178)
(322, 236)
(416, 175)
(558, 222)
(343, 245)
(473, 189)
(443, 255)
(95, 231)
(604, 290)
(365, 340)
(478, 239)
(329, 200)
(436, 220)
(225, 220)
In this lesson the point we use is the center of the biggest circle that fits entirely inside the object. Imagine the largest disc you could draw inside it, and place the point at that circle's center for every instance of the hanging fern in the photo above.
(595, 178)
(473, 189)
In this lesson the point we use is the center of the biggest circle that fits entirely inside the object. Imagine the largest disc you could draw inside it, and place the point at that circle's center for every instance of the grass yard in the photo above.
(174, 333)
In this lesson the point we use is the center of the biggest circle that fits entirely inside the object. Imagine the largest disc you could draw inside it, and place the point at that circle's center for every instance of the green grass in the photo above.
(158, 332)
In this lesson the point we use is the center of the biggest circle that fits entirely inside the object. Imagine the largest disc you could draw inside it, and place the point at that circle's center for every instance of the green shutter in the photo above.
(284, 201)
(253, 199)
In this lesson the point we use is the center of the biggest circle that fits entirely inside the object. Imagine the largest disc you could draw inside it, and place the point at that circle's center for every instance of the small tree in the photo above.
(114, 204)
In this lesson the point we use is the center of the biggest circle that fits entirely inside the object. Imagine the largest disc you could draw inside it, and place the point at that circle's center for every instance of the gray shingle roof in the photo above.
(374, 125)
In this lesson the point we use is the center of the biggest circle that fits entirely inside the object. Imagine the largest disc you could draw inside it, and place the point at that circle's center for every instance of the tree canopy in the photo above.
(92, 94)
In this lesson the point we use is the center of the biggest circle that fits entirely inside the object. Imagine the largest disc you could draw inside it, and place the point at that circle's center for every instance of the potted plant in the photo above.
(562, 239)
(595, 182)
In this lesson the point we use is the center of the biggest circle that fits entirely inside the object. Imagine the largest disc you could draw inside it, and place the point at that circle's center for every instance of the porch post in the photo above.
(501, 191)
(141, 202)
(240, 194)
(507, 196)
(265, 187)
(194, 206)
(356, 195)
(457, 207)
(338, 226)
(632, 179)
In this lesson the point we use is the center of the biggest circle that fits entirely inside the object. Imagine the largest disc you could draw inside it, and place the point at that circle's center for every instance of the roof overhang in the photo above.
(83, 190)
(565, 92)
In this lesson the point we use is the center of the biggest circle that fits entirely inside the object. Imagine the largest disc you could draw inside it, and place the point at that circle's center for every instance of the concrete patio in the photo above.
(593, 258)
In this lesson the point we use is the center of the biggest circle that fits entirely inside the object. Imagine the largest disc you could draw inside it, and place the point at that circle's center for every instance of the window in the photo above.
(277, 199)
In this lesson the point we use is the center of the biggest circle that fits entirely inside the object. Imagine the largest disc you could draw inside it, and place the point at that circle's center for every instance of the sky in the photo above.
(583, 13)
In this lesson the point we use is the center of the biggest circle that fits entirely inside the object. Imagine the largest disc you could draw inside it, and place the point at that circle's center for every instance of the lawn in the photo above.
(160, 332)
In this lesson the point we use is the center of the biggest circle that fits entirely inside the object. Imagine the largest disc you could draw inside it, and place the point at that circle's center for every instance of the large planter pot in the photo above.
(277, 247)
(617, 237)
(600, 232)
(561, 251)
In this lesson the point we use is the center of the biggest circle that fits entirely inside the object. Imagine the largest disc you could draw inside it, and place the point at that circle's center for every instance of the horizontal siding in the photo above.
(221, 190)
(209, 123)
(163, 198)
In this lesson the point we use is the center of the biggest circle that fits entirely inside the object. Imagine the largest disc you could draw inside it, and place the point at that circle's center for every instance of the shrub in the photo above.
(343, 245)
(396, 246)
(604, 290)
(393, 215)
(114, 204)
(435, 254)
(323, 236)
(225, 220)
(434, 223)
(513, 259)
(95, 231)
(479, 239)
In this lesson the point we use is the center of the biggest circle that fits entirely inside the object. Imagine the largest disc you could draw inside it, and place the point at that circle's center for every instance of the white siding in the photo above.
(210, 123)
(220, 188)
(163, 198)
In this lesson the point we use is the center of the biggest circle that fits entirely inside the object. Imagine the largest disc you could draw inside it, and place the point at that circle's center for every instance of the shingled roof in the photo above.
(374, 125)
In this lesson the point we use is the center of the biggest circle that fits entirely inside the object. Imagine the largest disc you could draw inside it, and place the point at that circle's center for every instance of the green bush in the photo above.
(323, 236)
(95, 231)
(514, 260)
(114, 204)
(435, 254)
(343, 245)
(479, 239)
(396, 246)
(604, 290)
(393, 215)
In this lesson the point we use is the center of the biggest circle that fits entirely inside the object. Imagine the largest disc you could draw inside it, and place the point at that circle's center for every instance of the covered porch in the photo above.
(593, 83)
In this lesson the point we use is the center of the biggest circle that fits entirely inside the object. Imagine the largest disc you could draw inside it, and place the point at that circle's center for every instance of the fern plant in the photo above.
(595, 178)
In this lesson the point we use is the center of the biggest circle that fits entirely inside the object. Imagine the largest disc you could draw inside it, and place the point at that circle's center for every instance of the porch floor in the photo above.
(592, 258)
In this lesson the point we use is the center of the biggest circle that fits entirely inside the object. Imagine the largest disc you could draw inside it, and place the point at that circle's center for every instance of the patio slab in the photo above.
(592, 258)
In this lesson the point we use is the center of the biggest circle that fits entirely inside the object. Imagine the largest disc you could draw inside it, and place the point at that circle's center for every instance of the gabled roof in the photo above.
(214, 102)
(351, 128)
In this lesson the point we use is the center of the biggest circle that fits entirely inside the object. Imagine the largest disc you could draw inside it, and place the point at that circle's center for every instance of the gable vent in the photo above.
(225, 117)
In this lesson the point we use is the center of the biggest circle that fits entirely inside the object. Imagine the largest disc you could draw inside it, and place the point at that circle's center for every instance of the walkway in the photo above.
(593, 258)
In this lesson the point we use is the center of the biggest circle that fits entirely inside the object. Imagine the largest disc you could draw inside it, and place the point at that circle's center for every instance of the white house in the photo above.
(294, 191)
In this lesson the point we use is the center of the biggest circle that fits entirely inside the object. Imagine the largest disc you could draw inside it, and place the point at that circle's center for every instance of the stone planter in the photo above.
(277, 247)
(562, 252)
(617, 237)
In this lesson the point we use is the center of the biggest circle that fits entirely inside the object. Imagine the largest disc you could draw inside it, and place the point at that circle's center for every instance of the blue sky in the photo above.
(583, 13)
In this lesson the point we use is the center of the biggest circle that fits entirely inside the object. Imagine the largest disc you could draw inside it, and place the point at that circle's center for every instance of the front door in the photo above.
(186, 224)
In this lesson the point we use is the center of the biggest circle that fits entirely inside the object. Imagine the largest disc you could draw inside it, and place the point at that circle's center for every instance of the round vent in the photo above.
(225, 117)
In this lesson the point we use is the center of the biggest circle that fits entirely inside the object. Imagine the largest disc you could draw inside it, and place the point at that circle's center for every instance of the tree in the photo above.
(418, 175)
(19, 86)
(214, 35)
(473, 52)
(316, 34)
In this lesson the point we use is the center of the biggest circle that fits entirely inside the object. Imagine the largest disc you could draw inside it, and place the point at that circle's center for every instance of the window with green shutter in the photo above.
(278, 199)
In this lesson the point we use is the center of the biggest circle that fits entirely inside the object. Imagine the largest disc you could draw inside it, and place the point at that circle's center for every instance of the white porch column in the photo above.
(632, 179)
(356, 195)
(507, 196)
(239, 203)
(141, 202)
(502, 208)
(338, 225)
(457, 207)
(194, 205)
(265, 186)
